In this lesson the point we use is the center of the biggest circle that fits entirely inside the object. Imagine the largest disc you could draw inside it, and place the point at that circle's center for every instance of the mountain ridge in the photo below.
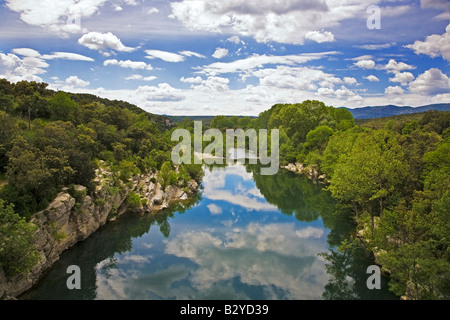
(373, 112)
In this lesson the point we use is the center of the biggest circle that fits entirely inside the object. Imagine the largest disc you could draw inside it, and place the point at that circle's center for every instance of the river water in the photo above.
(244, 236)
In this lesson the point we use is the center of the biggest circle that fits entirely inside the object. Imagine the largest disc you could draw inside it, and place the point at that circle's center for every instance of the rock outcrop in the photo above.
(73, 216)
(309, 171)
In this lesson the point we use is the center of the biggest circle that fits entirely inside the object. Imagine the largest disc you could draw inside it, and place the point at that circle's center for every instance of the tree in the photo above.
(318, 138)
(62, 107)
(17, 251)
(164, 174)
(369, 174)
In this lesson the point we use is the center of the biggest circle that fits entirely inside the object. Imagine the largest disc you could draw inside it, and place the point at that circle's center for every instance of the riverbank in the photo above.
(74, 215)
(309, 171)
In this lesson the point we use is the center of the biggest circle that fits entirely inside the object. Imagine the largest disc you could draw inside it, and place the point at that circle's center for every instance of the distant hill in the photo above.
(391, 110)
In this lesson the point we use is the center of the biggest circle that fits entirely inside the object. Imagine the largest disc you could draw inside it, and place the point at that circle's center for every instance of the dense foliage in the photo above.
(49, 140)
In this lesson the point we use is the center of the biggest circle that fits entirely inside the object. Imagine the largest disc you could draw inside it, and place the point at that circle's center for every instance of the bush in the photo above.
(133, 201)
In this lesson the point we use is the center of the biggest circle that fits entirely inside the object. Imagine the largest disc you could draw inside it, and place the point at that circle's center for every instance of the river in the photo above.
(244, 236)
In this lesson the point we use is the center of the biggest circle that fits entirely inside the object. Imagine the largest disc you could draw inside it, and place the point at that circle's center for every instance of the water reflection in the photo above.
(237, 240)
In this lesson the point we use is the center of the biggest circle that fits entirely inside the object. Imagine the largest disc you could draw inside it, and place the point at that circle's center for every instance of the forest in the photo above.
(53, 140)
(392, 173)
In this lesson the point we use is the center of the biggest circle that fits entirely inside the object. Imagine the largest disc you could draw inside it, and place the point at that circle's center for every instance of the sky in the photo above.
(232, 57)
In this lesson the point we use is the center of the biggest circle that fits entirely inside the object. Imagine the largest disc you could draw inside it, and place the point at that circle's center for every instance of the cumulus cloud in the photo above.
(403, 78)
(434, 45)
(163, 92)
(141, 78)
(320, 37)
(31, 64)
(16, 69)
(128, 64)
(191, 80)
(103, 41)
(220, 53)
(62, 17)
(394, 90)
(431, 82)
(396, 67)
(285, 21)
(365, 64)
(74, 81)
(372, 78)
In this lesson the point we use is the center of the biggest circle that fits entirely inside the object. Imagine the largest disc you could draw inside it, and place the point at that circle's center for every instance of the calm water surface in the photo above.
(244, 236)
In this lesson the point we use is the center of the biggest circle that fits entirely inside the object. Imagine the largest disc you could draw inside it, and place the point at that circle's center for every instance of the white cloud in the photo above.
(375, 46)
(62, 16)
(403, 78)
(211, 84)
(214, 209)
(164, 55)
(431, 82)
(141, 78)
(220, 53)
(396, 67)
(163, 92)
(365, 64)
(235, 40)
(102, 41)
(27, 52)
(191, 54)
(118, 8)
(258, 61)
(152, 10)
(66, 56)
(16, 69)
(320, 37)
(285, 21)
(372, 78)
(364, 57)
(350, 80)
(191, 80)
(74, 81)
(394, 90)
(434, 45)
(128, 64)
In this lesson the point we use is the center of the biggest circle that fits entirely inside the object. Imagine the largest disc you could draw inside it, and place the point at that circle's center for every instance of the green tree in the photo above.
(17, 251)
(164, 174)
(369, 174)
(62, 107)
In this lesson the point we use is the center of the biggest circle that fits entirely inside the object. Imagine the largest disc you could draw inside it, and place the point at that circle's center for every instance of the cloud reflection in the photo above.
(259, 255)
(237, 194)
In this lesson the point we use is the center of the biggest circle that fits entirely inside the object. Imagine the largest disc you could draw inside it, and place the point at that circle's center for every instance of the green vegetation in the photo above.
(17, 252)
(50, 140)
(392, 173)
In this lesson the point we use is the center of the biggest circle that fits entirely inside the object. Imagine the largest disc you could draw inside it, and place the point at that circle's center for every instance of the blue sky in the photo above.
(234, 57)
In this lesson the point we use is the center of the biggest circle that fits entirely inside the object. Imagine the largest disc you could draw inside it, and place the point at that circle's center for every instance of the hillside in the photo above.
(392, 110)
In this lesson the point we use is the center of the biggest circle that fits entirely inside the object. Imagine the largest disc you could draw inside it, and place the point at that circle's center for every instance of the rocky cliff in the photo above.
(73, 216)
